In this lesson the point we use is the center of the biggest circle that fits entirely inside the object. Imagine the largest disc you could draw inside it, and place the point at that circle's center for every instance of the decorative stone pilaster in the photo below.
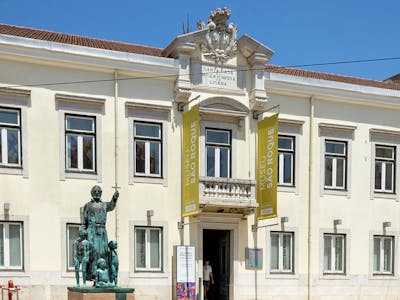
(257, 96)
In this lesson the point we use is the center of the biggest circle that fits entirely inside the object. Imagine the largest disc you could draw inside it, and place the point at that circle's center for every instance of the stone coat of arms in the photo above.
(220, 41)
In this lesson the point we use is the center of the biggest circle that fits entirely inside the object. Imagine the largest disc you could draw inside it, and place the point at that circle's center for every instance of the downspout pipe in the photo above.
(310, 199)
(116, 148)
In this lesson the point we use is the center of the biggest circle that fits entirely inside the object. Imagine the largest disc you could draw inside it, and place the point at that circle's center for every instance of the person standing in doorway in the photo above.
(207, 277)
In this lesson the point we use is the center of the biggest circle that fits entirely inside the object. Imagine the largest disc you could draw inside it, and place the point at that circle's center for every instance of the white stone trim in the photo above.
(342, 134)
(385, 138)
(339, 276)
(162, 117)
(296, 258)
(84, 108)
(25, 272)
(164, 273)
(19, 99)
(396, 240)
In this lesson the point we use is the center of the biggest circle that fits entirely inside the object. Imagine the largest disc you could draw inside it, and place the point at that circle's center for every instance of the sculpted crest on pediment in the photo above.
(220, 42)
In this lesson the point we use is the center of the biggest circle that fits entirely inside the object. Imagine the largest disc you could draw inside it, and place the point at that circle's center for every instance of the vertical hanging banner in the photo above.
(190, 162)
(267, 171)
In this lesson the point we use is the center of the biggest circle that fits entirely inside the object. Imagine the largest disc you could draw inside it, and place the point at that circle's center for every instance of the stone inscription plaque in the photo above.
(219, 77)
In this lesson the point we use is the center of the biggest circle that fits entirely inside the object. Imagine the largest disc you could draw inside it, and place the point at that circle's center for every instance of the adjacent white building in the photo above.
(77, 112)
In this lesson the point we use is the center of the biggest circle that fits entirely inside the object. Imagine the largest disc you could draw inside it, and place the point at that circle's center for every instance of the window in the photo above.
(11, 246)
(286, 160)
(385, 169)
(282, 250)
(10, 137)
(334, 253)
(72, 235)
(148, 249)
(80, 141)
(218, 153)
(335, 164)
(383, 255)
(148, 149)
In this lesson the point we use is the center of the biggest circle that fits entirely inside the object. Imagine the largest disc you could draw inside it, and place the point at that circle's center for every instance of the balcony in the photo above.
(227, 195)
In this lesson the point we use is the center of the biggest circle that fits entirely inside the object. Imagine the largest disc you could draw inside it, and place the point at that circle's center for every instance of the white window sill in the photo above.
(11, 170)
(13, 273)
(70, 274)
(385, 196)
(287, 189)
(283, 275)
(149, 274)
(383, 277)
(335, 192)
(334, 276)
(152, 180)
(77, 175)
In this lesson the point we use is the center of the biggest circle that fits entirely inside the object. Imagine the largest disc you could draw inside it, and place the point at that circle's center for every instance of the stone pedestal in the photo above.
(91, 293)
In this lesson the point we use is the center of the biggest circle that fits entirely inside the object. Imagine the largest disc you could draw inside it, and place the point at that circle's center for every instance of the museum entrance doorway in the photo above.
(216, 249)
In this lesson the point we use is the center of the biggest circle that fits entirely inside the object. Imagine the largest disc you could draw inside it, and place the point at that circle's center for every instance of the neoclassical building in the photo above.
(77, 112)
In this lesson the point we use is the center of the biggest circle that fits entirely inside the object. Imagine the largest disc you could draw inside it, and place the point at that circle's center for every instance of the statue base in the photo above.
(92, 293)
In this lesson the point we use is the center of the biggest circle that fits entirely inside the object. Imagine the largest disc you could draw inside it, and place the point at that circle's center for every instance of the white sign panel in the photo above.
(219, 77)
(185, 264)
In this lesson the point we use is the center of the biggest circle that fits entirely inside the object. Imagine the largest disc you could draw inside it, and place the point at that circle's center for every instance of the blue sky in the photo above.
(300, 32)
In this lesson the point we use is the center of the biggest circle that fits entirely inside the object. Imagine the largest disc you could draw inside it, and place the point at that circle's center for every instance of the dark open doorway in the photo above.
(216, 249)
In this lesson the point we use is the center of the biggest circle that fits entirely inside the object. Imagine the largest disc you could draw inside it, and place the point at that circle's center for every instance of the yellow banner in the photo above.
(190, 162)
(267, 170)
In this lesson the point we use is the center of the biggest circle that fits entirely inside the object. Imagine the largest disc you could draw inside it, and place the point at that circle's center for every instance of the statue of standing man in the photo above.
(94, 220)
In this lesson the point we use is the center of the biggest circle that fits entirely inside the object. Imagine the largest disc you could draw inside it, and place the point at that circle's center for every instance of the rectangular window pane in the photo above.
(72, 151)
(1, 245)
(73, 234)
(147, 130)
(335, 148)
(340, 172)
(378, 175)
(10, 117)
(339, 253)
(327, 253)
(80, 124)
(217, 137)
(389, 176)
(13, 146)
(384, 152)
(15, 245)
(285, 143)
(210, 161)
(287, 255)
(154, 249)
(223, 162)
(140, 157)
(287, 169)
(88, 152)
(387, 255)
(377, 247)
(140, 249)
(328, 171)
(155, 149)
(274, 251)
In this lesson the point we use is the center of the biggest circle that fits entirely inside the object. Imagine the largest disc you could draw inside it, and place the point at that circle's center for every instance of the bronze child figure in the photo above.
(81, 252)
(113, 261)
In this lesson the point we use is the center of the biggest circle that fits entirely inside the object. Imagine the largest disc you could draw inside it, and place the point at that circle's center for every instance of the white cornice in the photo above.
(58, 53)
(331, 90)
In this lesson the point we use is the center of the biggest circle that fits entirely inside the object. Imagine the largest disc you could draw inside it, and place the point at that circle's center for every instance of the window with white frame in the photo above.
(335, 164)
(72, 234)
(10, 137)
(11, 246)
(385, 166)
(334, 253)
(383, 255)
(80, 141)
(148, 149)
(286, 156)
(282, 249)
(218, 152)
(148, 248)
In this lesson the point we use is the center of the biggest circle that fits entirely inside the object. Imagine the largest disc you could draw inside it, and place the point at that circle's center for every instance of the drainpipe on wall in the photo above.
(310, 197)
(116, 148)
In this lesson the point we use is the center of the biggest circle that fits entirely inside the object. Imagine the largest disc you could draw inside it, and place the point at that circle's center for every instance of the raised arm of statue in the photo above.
(113, 202)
